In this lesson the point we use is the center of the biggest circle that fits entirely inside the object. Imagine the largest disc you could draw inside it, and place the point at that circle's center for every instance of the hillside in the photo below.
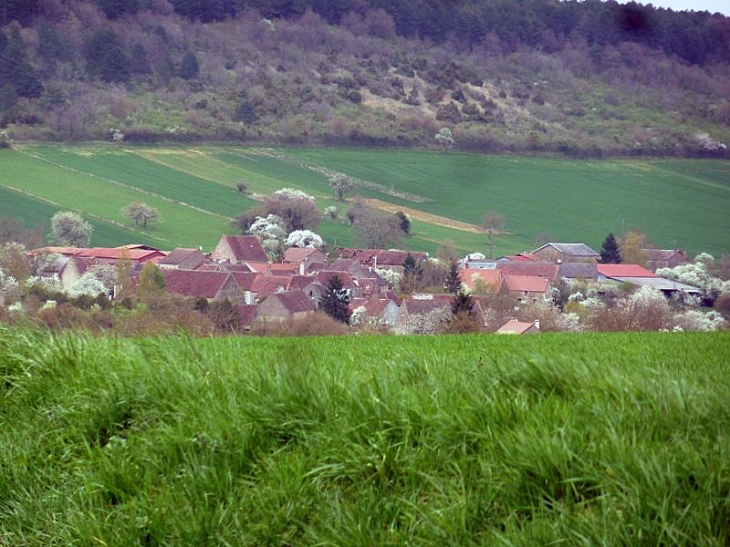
(444, 194)
(574, 78)
(448, 440)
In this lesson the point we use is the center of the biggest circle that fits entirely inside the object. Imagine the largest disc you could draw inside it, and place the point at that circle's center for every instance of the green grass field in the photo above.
(462, 440)
(677, 203)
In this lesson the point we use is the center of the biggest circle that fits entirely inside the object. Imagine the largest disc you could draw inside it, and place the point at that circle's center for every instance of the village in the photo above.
(556, 287)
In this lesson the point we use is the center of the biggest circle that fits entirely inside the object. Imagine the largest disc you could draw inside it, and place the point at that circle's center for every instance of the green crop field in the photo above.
(677, 203)
(600, 439)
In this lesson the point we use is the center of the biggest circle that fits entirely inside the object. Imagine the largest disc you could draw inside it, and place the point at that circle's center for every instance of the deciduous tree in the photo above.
(68, 229)
(493, 222)
(141, 213)
(342, 185)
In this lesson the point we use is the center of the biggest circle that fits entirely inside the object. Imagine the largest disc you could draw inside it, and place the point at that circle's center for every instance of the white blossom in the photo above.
(292, 194)
(304, 238)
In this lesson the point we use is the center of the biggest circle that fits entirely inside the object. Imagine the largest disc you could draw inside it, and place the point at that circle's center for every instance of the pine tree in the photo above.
(610, 252)
(189, 68)
(412, 274)
(453, 279)
(462, 303)
(335, 301)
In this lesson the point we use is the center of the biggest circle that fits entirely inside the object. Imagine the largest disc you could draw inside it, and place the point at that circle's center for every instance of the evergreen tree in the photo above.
(335, 301)
(453, 279)
(105, 57)
(412, 274)
(189, 68)
(26, 82)
(139, 64)
(610, 252)
(462, 303)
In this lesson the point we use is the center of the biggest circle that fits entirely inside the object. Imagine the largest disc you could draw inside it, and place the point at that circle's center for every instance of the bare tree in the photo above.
(376, 229)
(493, 222)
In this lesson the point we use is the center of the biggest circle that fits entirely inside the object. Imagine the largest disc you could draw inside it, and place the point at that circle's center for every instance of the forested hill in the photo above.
(587, 77)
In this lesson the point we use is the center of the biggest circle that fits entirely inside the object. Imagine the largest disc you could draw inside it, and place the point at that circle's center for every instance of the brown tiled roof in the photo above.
(264, 285)
(371, 257)
(513, 326)
(544, 269)
(373, 306)
(526, 283)
(185, 259)
(324, 277)
(246, 248)
(194, 283)
(299, 254)
(246, 314)
(245, 280)
(578, 270)
(295, 301)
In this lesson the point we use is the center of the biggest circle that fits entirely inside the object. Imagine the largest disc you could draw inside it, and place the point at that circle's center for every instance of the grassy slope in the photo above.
(459, 440)
(677, 203)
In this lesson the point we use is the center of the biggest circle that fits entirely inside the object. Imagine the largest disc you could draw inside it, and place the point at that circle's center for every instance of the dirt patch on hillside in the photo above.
(424, 217)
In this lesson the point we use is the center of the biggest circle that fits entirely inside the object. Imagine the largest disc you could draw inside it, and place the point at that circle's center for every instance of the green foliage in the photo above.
(105, 57)
(405, 222)
(453, 279)
(151, 282)
(610, 252)
(460, 440)
(335, 301)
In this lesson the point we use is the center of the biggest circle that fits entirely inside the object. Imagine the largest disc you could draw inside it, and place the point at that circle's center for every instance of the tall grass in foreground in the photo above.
(461, 440)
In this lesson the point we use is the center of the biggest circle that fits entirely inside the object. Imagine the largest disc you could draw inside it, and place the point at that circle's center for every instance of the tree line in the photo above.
(696, 37)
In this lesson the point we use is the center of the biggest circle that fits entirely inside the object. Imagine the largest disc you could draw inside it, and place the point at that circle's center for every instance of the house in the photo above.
(265, 285)
(619, 271)
(513, 326)
(567, 252)
(245, 282)
(639, 277)
(308, 260)
(522, 257)
(526, 288)
(246, 315)
(311, 287)
(492, 278)
(578, 271)
(201, 284)
(285, 306)
(349, 283)
(381, 259)
(182, 259)
(542, 268)
(239, 249)
(664, 258)
(378, 311)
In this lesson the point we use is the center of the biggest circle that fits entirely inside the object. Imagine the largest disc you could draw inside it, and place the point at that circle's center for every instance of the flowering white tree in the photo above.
(698, 275)
(430, 322)
(87, 285)
(444, 138)
(304, 238)
(699, 320)
(9, 287)
(271, 231)
(293, 194)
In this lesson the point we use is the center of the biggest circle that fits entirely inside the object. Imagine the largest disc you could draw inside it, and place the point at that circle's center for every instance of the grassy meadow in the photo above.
(677, 203)
(447, 440)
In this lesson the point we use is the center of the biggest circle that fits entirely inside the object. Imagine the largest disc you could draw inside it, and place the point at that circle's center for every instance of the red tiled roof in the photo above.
(246, 313)
(185, 259)
(526, 283)
(324, 277)
(624, 270)
(491, 277)
(194, 283)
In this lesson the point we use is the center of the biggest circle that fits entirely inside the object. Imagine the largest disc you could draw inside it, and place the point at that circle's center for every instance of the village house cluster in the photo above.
(238, 270)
